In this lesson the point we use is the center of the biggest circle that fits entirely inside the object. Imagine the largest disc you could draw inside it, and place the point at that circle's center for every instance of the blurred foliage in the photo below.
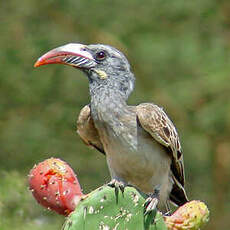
(180, 53)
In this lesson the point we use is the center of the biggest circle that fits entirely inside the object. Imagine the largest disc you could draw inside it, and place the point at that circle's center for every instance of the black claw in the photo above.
(122, 188)
(116, 193)
(168, 213)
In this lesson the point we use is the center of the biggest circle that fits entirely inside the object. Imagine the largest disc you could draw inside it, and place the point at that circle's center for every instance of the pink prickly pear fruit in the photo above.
(190, 216)
(55, 186)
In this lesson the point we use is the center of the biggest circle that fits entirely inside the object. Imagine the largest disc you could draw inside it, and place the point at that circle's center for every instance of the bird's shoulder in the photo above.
(87, 131)
(155, 121)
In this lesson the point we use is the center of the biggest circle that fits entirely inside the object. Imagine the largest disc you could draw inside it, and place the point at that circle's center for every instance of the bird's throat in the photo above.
(107, 105)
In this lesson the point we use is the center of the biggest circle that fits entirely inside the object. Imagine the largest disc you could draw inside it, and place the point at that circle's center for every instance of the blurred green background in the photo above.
(180, 53)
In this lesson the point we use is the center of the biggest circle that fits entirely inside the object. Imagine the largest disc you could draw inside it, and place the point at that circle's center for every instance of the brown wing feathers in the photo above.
(155, 121)
(87, 130)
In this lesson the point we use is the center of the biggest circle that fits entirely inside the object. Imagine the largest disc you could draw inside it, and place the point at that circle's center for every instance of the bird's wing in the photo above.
(87, 130)
(155, 121)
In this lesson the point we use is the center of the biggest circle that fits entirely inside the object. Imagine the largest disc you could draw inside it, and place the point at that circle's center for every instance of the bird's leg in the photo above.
(117, 185)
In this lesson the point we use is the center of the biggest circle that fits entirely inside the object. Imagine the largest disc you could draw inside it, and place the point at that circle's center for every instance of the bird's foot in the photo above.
(150, 210)
(150, 206)
(117, 185)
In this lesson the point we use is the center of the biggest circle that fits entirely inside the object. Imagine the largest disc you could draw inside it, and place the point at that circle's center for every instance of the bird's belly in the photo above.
(136, 159)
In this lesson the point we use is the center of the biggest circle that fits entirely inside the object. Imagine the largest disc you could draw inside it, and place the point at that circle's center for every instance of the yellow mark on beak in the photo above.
(102, 74)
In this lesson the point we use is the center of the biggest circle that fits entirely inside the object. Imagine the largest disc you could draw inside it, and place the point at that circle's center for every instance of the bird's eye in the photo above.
(100, 55)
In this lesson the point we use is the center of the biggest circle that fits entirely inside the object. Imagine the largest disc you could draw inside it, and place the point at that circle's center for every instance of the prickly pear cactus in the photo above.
(101, 209)
(55, 186)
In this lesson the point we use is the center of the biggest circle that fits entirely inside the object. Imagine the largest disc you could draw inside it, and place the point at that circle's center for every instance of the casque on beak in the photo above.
(72, 54)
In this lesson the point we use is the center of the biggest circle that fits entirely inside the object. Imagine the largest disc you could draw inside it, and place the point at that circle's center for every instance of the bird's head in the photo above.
(104, 65)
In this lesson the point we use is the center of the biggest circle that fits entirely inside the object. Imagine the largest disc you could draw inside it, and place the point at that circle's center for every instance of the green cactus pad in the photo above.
(104, 211)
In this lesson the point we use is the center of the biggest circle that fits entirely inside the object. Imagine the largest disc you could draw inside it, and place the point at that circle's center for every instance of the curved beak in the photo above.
(72, 54)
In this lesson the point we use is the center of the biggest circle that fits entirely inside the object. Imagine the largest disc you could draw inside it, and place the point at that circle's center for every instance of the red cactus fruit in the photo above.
(55, 186)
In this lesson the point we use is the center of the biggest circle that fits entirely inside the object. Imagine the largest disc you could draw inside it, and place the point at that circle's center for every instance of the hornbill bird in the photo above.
(140, 142)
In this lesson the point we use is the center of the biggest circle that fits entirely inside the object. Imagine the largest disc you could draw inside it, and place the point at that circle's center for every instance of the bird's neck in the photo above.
(107, 103)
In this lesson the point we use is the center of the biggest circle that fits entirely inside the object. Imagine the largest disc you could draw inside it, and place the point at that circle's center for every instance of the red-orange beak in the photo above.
(72, 54)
